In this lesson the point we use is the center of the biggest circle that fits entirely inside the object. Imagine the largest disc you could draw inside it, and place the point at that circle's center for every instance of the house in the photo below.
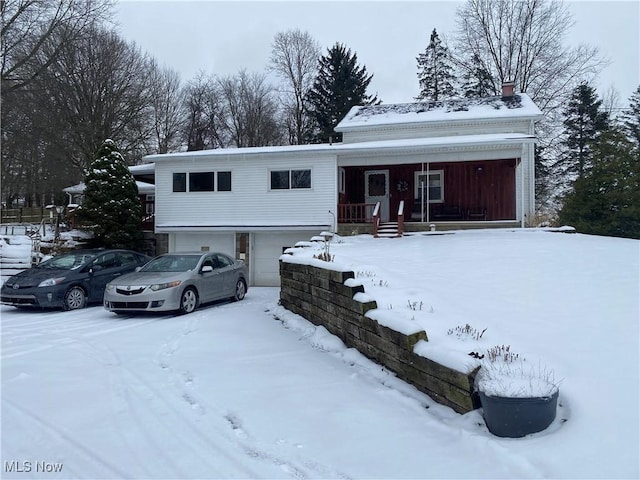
(452, 164)
(146, 193)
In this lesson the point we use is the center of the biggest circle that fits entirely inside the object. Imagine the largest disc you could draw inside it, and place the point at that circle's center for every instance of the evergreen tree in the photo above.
(631, 120)
(583, 125)
(339, 85)
(477, 81)
(544, 188)
(111, 203)
(435, 71)
(606, 200)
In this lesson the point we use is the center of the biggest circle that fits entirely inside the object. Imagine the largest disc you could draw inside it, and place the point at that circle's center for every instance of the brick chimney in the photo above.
(508, 89)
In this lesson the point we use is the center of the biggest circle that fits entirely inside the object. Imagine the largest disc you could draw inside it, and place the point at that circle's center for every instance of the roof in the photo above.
(454, 141)
(144, 169)
(143, 188)
(453, 110)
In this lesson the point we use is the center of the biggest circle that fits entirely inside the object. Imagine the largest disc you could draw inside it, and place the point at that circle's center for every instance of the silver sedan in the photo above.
(178, 282)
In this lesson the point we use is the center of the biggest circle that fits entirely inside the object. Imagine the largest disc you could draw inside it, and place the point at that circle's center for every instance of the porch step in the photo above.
(388, 230)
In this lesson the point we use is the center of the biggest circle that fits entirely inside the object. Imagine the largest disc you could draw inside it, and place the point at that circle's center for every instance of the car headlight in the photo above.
(162, 286)
(110, 287)
(50, 282)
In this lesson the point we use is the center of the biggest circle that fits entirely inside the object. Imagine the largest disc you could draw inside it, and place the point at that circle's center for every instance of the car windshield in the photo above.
(67, 261)
(172, 263)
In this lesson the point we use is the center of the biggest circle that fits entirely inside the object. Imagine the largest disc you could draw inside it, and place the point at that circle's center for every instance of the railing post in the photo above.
(401, 218)
(376, 219)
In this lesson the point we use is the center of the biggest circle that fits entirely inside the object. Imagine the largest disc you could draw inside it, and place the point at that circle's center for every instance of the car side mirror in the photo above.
(207, 268)
(95, 268)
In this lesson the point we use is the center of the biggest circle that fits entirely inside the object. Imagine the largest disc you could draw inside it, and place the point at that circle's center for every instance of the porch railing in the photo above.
(355, 212)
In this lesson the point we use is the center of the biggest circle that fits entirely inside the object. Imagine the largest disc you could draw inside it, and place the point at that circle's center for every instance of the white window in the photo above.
(149, 205)
(290, 179)
(432, 182)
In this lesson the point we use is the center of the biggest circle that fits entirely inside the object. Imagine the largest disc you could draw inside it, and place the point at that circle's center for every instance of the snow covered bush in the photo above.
(506, 374)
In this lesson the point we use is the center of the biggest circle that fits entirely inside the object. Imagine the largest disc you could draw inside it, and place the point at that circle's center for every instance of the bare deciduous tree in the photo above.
(34, 32)
(294, 57)
(98, 88)
(167, 104)
(251, 109)
(204, 114)
(523, 41)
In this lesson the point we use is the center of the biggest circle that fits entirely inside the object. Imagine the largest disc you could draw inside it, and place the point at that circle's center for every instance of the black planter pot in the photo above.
(516, 417)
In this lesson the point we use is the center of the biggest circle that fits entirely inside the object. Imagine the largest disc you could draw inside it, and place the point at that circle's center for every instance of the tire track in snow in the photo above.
(234, 431)
(56, 330)
(151, 425)
(60, 433)
(161, 426)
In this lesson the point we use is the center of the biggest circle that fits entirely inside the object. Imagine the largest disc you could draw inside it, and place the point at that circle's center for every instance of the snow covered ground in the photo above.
(249, 390)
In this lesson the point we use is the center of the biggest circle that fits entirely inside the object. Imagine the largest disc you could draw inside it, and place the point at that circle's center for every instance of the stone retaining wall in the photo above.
(321, 296)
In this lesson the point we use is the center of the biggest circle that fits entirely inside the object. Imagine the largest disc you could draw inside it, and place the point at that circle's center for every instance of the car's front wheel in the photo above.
(241, 290)
(188, 300)
(75, 298)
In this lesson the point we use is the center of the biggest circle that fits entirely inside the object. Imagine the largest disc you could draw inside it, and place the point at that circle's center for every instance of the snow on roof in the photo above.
(345, 148)
(144, 169)
(460, 109)
(309, 148)
(143, 187)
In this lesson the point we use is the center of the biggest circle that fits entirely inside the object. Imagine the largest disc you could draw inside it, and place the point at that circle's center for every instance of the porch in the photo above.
(408, 227)
(449, 195)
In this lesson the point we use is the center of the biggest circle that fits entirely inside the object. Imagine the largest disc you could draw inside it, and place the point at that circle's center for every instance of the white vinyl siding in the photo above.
(405, 131)
(251, 202)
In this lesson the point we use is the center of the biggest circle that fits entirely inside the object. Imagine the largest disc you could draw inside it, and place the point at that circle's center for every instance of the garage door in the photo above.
(267, 248)
(215, 242)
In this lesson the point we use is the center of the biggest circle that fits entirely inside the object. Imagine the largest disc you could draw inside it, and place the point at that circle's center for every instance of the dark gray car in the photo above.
(69, 280)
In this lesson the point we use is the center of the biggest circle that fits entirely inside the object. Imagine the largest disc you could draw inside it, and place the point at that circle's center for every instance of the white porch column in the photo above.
(521, 195)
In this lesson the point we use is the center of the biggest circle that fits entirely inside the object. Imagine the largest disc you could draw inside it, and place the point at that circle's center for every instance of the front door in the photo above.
(376, 189)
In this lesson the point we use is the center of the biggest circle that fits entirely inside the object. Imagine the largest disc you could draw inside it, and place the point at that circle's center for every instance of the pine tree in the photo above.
(111, 203)
(340, 85)
(543, 185)
(631, 120)
(584, 123)
(477, 81)
(606, 200)
(435, 71)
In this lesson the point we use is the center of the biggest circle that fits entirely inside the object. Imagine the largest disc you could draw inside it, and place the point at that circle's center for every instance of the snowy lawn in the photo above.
(249, 390)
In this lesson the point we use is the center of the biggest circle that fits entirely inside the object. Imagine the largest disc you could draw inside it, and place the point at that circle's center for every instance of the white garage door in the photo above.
(267, 249)
(215, 242)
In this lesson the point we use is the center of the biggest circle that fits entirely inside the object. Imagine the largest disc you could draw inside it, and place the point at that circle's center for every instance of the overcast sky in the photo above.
(223, 37)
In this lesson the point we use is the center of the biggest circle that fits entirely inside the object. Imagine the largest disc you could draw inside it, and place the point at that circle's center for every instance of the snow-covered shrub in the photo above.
(504, 373)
